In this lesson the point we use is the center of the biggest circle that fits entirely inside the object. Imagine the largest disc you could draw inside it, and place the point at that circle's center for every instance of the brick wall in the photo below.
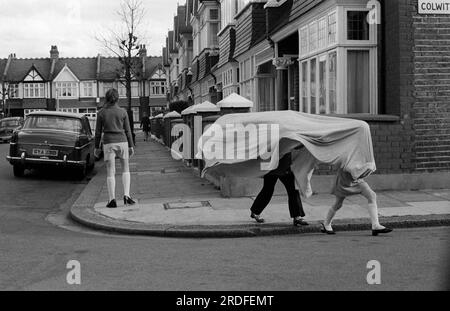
(432, 90)
(417, 89)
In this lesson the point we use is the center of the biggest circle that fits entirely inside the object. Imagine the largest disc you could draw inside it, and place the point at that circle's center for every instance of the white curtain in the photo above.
(358, 88)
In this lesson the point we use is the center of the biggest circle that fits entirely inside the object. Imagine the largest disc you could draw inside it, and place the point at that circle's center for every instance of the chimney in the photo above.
(54, 54)
(143, 55)
(142, 50)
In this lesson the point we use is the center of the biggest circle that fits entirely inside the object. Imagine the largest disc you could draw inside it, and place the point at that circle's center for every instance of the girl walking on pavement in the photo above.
(114, 125)
(346, 186)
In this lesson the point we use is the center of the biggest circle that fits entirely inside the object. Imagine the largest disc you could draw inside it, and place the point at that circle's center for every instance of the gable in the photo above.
(159, 74)
(33, 75)
(66, 75)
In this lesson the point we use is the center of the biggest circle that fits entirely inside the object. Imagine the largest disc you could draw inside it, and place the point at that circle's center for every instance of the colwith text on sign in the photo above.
(434, 6)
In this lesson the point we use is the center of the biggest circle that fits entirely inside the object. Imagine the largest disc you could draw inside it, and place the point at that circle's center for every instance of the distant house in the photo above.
(79, 84)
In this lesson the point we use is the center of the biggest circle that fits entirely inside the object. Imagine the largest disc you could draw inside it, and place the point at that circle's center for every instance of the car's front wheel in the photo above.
(18, 170)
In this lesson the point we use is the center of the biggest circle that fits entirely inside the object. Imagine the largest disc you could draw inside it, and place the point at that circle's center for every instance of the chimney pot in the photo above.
(54, 53)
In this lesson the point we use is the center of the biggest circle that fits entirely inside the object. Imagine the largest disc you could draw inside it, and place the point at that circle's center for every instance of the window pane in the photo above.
(53, 122)
(214, 29)
(322, 35)
(322, 86)
(357, 26)
(304, 87)
(214, 14)
(313, 36)
(304, 41)
(332, 28)
(332, 81)
(358, 88)
(313, 85)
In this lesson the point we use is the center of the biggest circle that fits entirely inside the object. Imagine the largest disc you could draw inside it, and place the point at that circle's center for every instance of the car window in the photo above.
(9, 123)
(53, 123)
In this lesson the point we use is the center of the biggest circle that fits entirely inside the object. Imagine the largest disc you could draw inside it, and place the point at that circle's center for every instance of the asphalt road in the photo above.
(37, 241)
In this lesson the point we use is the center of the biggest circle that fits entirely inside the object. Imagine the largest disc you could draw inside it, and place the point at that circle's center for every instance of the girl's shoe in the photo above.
(112, 204)
(375, 232)
(128, 201)
(324, 230)
(258, 218)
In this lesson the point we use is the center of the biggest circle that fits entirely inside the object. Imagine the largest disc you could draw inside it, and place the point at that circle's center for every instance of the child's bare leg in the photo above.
(332, 212)
(111, 179)
(371, 197)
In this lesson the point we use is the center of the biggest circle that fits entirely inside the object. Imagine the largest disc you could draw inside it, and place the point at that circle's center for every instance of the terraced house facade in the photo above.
(78, 84)
(385, 62)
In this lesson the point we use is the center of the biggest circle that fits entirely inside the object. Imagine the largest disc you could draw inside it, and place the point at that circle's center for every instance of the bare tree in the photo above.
(4, 93)
(124, 44)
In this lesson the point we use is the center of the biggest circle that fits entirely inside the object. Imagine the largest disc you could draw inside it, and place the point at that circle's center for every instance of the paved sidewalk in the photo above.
(174, 201)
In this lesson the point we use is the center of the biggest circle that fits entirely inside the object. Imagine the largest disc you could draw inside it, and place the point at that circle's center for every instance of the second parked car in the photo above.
(8, 126)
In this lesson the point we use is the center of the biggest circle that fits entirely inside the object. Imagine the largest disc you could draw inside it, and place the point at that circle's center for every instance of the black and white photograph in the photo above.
(230, 153)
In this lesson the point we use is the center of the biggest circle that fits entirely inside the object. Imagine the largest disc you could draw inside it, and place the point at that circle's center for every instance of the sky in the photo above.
(29, 28)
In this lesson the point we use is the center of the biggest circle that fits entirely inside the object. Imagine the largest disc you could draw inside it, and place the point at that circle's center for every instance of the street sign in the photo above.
(434, 6)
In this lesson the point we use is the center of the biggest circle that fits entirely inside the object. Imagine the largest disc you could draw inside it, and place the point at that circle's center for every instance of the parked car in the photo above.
(8, 126)
(49, 138)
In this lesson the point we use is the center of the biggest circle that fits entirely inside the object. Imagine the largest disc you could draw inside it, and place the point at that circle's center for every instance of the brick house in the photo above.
(378, 61)
(78, 84)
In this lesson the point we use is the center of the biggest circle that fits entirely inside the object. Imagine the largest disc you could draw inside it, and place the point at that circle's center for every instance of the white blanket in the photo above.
(345, 144)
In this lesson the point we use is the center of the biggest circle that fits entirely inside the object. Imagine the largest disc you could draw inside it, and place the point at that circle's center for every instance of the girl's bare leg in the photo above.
(332, 212)
(111, 179)
(371, 197)
(126, 178)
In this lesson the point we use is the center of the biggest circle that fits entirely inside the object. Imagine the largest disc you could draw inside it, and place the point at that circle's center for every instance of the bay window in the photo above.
(338, 62)
(33, 90)
(67, 89)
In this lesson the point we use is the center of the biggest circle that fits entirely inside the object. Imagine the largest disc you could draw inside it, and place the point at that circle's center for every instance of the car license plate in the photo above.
(45, 152)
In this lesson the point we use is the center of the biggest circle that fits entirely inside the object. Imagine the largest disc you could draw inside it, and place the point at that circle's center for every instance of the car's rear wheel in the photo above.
(18, 170)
